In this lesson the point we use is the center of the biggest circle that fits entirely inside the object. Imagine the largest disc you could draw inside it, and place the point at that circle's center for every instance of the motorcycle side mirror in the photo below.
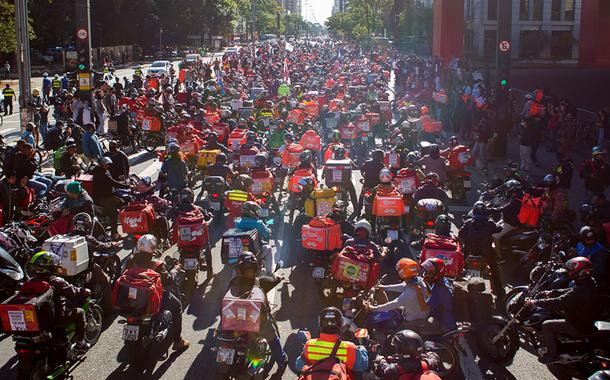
(383, 278)
(562, 254)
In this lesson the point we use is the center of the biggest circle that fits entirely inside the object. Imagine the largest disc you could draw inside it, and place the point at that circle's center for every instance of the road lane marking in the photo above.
(151, 169)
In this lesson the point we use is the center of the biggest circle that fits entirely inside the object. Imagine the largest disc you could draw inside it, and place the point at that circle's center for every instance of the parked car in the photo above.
(159, 68)
(192, 59)
(39, 58)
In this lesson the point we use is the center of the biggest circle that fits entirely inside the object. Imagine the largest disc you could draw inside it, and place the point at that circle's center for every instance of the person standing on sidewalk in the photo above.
(602, 124)
(596, 172)
(526, 140)
(8, 94)
(7, 70)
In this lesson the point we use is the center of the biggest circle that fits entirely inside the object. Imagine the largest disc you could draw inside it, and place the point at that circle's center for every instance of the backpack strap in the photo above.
(333, 355)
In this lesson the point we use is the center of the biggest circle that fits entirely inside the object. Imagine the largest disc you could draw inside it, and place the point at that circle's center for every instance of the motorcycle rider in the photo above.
(595, 252)
(578, 303)
(477, 234)
(433, 162)
(46, 267)
(77, 200)
(411, 361)
(214, 144)
(339, 216)
(341, 154)
(103, 187)
(441, 297)
(412, 298)
(305, 163)
(251, 218)
(330, 322)
(431, 189)
(220, 168)
(245, 279)
(174, 168)
(143, 258)
(596, 172)
(240, 193)
(510, 212)
(564, 171)
(362, 239)
(442, 227)
(555, 199)
(70, 163)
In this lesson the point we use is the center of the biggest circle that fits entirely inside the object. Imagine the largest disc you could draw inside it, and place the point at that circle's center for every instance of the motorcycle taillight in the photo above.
(132, 320)
(264, 200)
(430, 223)
(215, 195)
(475, 264)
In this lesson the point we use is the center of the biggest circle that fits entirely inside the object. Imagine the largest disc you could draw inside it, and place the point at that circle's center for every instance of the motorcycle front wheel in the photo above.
(503, 351)
(113, 268)
(94, 317)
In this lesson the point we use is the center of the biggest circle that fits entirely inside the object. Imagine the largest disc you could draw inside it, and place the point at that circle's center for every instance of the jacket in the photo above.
(441, 304)
(412, 300)
(355, 358)
(92, 148)
(83, 203)
(104, 184)
(370, 171)
(598, 256)
(596, 174)
(176, 172)
(69, 165)
(579, 304)
(24, 166)
(62, 290)
(556, 203)
(476, 234)
(510, 212)
(362, 243)
(435, 165)
(244, 223)
(395, 369)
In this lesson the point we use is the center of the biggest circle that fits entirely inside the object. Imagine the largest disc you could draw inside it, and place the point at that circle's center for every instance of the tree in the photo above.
(8, 29)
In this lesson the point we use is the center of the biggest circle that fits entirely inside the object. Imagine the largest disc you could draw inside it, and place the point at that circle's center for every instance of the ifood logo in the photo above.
(134, 221)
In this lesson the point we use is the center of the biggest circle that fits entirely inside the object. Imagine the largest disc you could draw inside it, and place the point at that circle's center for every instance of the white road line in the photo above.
(135, 156)
(7, 131)
(151, 169)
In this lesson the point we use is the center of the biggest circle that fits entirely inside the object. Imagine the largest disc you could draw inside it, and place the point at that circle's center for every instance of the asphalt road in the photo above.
(296, 306)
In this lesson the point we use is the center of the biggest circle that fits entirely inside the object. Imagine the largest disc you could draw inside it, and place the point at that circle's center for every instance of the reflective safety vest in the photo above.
(321, 348)
(8, 93)
(56, 84)
(138, 72)
(237, 196)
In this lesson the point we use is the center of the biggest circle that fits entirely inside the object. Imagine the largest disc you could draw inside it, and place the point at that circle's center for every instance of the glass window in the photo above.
(489, 44)
(524, 10)
(569, 10)
(530, 44)
(538, 9)
(492, 9)
(561, 45)
(556, 10)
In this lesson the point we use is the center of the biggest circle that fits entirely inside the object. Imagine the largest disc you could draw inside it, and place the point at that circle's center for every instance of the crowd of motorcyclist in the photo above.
(346, 84)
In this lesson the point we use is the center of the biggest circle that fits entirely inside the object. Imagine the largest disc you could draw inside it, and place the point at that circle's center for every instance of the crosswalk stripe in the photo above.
(7, 131)
(151, 169)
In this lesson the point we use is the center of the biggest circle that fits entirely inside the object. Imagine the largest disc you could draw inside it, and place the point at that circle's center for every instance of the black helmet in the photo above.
(251, 209)
(339, 153)
(247, 260)
(330, 320)
(81, 223)
(411, 157)
(377, 155)
(187, 196)
(260, 160)
(587, 210)
(305, 157)
(442, 225)
(408, 344)
(479, 209)
(453, 140)
(243, 182)
(221, 158)
(434, 149)
(550, 180)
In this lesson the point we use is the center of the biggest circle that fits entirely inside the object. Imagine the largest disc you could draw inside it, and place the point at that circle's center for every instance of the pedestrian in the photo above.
(101, 114)
(8, 94)
(526, 140)
(7, 70)
(46, 87)
(596, 172)
(601, 122)
(92, 148)
(56, 85)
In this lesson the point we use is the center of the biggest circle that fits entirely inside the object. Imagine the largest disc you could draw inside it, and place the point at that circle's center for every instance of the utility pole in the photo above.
(254, 22)
(22, 56)
(160, 39)
(502, 82)
(82, 20)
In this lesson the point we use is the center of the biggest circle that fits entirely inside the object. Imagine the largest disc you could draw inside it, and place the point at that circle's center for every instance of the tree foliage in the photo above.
(8, 30)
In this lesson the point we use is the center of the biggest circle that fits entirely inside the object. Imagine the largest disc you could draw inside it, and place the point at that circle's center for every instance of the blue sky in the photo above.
(317, 10)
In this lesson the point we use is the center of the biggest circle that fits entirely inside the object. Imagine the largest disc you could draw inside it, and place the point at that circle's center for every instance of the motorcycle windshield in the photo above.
(9, 267)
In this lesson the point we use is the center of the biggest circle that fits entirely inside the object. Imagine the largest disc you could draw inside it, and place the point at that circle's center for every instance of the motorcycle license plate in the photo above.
(265, 213)
(190, 264)
(365, 138)
(393, 234)
(428, 231)
(225, 355)
(215, 206)
(318, 272)
(467, 184)
(130, 332)
(337, 175)
(473, 273)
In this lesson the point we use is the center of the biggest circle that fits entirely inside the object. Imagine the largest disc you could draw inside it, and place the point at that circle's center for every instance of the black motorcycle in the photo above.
(11, 275)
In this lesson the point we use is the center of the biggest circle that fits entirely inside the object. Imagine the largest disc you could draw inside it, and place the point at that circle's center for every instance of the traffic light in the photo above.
(82, 20)
(84, 60)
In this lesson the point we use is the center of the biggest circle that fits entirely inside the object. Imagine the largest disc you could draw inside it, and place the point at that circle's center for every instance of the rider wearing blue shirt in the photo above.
(590, 248)
(251, 219)
(441, 296)
(174, 168)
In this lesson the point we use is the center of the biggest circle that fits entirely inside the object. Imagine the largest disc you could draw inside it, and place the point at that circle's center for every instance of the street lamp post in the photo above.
(161, 40)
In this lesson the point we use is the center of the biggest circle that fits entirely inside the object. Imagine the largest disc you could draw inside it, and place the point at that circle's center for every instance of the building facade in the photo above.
(542, 30)
(292, 6)
(339, 6)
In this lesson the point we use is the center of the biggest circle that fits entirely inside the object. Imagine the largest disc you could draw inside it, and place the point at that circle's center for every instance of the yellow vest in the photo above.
(238, 196)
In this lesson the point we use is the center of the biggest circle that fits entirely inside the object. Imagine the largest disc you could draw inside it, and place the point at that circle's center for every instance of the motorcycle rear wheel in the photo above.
(504, 350)
(449, 359)
(32, 368)
(113, 269)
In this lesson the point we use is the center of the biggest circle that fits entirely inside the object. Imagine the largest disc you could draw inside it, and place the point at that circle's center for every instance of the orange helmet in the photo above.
(406, 269)
(424, 110)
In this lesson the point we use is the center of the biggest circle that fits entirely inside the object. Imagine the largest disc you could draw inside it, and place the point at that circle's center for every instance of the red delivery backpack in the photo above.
(531, 210)
(445, 248)
(311, 140)
(356, 266)
(137, 218)
(190, 230)
(292, 154)
(321, 234)
(138, 292)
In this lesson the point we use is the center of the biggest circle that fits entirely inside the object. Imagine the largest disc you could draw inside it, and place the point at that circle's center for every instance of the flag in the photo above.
(286, 71)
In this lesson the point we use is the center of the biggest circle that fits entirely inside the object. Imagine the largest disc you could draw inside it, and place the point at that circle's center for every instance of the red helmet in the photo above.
(433, 269)
(579, 268)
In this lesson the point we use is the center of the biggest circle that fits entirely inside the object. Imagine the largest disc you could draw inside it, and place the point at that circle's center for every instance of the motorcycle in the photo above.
(459, 183)
(215, 187)
(426, 211)
(241, 355)
(142, 333)
(11, 275)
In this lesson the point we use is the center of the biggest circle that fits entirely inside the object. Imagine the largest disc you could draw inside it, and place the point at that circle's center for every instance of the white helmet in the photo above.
(363, 223)
(385, 176)
(147, 244)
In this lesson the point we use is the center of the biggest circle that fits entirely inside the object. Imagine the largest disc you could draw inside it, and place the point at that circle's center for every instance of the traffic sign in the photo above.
(504, 46)
(82, 34)
(84, 81)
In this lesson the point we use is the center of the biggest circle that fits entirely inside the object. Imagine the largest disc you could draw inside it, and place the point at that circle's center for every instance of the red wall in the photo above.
(595, 33)
(448, 29)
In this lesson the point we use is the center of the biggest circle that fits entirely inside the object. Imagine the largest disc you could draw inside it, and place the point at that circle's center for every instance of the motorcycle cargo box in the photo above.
(151, 124)
(191, 230)
(236, 241)
(350, 269)
(406, 185)
(242, 312)
(262, 185)
(215, 185)
(297, 176)
(86, 181)
(207, 157)
(247, 157)
(445, 248)
(30, 310)
(137, 218)
(72, 250)
(321, 234)
(337, 172)
(320, 202)
(388, 205)
(138, 292)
